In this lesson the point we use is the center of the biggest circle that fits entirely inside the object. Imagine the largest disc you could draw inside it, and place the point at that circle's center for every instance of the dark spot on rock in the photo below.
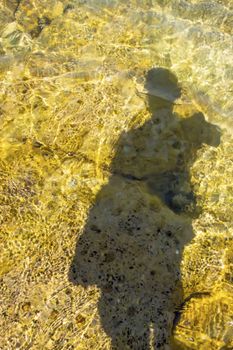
(83, 252)
(107, 288)
(42, 23)
(71, 154)
(95, 229)
(37, 144)
(169, 233)
(176, 145)
(68, 8)
(109, 257)
(131, 311)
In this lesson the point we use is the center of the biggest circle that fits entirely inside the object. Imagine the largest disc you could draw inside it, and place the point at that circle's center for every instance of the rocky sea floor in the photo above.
(116, 210)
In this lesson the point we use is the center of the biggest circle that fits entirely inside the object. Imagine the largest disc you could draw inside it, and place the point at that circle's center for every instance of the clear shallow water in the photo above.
(73, 81)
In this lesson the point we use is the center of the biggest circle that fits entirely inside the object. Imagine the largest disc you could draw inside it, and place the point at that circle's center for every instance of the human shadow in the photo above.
(132, 243)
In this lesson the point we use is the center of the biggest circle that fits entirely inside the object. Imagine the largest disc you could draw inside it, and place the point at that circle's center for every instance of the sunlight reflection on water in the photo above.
(72, 83)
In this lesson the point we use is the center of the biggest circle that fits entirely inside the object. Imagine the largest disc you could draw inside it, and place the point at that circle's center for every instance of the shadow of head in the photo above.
(162, 88)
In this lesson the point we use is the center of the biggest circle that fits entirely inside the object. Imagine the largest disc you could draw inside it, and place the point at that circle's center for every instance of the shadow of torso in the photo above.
(132, 243)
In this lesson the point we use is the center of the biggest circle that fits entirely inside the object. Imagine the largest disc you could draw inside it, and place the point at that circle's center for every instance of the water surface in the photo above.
(73, 83)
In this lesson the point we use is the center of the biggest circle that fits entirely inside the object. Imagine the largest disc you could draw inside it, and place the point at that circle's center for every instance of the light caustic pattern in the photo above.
(72, 82)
